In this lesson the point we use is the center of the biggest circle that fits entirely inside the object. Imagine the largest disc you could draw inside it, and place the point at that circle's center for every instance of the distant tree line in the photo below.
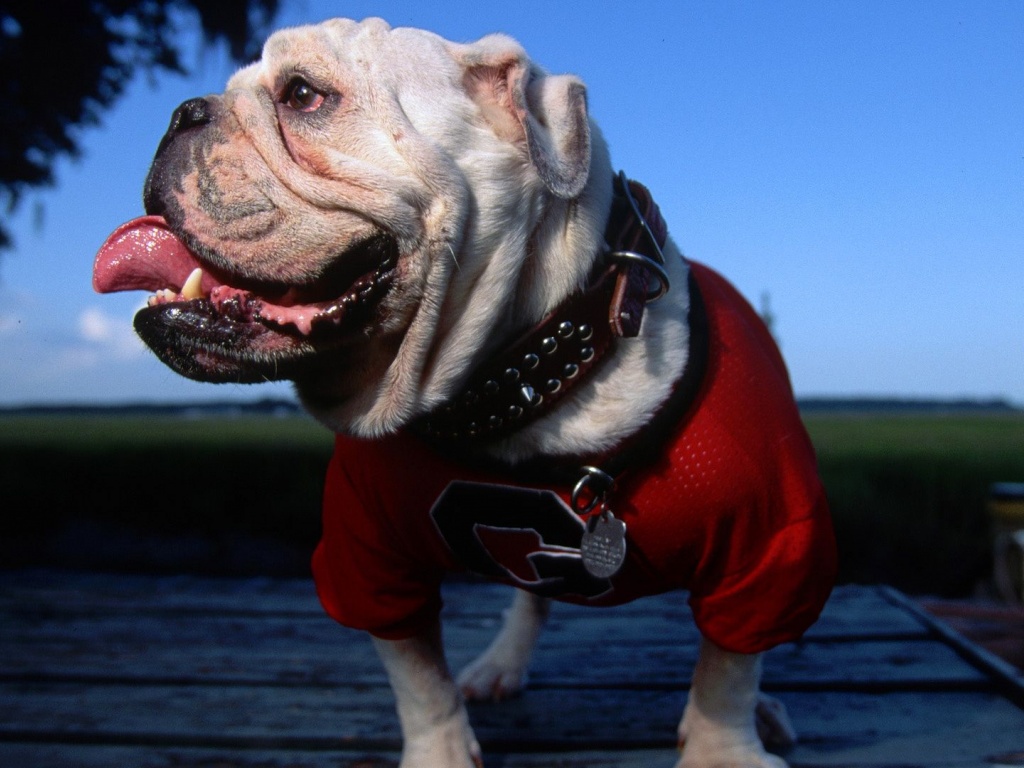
(286, 407)
(898, 405)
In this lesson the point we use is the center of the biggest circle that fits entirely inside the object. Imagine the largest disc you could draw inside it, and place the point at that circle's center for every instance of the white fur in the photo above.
(497, 188)
(435, 726)
(725, 723)
(719, 726)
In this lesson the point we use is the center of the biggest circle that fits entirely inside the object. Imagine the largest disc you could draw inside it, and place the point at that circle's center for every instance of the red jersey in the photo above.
(733, 511)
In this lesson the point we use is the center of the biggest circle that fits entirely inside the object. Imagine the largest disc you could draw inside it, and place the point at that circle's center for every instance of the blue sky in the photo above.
(861, 163)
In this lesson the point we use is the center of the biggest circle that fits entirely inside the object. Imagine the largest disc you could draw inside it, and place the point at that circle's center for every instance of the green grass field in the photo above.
(142, 492)
(100, 433)
(976, 437)
(907, 491)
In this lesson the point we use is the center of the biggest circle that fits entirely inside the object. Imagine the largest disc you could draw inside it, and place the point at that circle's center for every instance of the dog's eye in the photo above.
(301, 96)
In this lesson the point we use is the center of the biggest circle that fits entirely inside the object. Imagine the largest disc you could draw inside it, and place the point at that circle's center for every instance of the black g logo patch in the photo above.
(525, 536)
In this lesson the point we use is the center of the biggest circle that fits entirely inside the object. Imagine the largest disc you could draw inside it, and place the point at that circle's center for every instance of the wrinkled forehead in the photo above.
(338, 49)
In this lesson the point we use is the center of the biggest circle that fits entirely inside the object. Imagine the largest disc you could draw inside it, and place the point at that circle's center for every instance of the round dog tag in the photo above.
(604, 545)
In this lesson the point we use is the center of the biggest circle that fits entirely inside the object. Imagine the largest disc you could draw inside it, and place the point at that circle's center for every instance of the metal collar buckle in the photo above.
(654, 263)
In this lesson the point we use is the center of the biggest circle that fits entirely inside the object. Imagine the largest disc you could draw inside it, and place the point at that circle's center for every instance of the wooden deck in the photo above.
(179, 672)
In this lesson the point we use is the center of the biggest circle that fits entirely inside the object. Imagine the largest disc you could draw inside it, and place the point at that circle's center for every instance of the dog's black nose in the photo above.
(191, 114)
(194, 113)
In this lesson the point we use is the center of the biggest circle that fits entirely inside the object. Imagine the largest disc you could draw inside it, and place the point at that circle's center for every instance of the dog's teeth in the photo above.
(192, 289)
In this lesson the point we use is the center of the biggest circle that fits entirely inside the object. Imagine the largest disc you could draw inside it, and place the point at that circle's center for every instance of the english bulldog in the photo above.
(525, 376)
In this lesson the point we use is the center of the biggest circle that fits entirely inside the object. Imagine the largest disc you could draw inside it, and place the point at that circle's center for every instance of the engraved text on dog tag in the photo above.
(604, 545)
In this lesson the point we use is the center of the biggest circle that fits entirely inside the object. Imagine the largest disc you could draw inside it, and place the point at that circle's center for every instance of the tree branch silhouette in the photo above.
(66, 63)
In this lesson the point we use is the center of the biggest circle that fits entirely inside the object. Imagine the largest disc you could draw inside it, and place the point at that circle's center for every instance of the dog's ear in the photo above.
(524, 105)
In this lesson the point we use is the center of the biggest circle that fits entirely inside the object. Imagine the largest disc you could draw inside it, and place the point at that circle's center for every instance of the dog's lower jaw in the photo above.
(435, 725)
(719, 725)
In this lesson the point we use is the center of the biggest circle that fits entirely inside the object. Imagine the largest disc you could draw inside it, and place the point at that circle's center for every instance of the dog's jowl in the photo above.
(526, 377)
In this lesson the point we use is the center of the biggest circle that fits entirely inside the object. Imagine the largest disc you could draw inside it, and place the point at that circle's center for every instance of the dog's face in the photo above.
(362, 202)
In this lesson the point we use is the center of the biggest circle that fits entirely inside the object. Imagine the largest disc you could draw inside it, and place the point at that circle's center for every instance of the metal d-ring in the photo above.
(650, 265)
(598, 483)
(624, 181)
(656, 264)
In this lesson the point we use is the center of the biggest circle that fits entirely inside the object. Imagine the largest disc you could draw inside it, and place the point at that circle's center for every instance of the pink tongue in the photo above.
(142, 255)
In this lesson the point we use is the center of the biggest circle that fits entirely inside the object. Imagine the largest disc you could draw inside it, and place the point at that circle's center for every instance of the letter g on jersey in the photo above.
(527, 537)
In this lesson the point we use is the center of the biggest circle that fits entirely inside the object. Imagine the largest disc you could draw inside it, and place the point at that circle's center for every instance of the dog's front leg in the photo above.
(501, 670)
(435, 727)
(726, 712)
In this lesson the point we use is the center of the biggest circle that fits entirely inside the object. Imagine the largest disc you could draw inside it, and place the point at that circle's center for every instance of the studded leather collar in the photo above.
(528, 377)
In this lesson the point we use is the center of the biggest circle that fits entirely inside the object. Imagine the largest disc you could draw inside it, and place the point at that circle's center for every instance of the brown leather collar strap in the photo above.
(528, 377)
(636, 234)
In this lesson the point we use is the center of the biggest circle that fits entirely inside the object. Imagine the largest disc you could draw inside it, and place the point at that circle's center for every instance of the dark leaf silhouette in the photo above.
(66, 63)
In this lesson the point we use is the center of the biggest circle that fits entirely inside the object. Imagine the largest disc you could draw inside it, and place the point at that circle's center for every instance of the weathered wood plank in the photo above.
(117, 642)
(92, 592)
(134, 628)
(111, 670)
(852, 611)
(1009, 679)
(93, 756)
(288, 650)
(98, 756)
(120, 634)
(940, 729)
(878, 665)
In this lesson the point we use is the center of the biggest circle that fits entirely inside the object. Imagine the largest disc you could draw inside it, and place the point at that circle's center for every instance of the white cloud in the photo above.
(112, 335)
(95, 325)
(14, 307)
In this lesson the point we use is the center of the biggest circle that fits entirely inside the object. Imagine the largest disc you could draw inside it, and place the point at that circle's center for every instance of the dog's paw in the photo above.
(773, 725)
(755, 758)
(492, 677)
(500, 672)
(450, 744)
(715, 743)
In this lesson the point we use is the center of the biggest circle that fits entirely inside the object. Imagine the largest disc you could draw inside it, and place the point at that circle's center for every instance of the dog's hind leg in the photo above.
(435, 726)
(501, 670)
(727, 718)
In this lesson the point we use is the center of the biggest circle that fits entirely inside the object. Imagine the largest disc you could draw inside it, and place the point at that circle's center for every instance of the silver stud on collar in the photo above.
(523, 380)
(530, 396)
